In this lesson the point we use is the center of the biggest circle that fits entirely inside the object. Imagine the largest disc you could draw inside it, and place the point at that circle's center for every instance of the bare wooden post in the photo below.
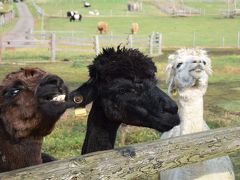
(130, 40)
(53, 47)
(0, 48)
(151, 44)
(160, 44)
(96, 44)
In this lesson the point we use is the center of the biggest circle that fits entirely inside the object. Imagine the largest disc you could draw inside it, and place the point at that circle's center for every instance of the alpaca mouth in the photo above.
(197, 69)
(59, 98)
(54, 98)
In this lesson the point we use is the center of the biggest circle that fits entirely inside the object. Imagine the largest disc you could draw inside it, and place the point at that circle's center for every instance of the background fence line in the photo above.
(55, 42)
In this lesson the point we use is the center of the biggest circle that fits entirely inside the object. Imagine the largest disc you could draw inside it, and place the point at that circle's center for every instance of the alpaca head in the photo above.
(31, 101)
(187, 69)
(123, 82)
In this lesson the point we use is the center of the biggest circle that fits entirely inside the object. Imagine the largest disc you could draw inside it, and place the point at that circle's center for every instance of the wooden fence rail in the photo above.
(88, 45)
(137, 160)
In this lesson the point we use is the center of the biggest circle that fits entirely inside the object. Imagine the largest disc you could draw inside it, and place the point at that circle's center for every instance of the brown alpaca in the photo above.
(31, 101)
(102, 27)
(134, 28)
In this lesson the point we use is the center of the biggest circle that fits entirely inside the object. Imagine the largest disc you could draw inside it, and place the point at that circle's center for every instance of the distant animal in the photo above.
(122, 87)
(134, 28)
(74, 15)
(134, 6)
(102, 27)
(86, 4)
(188, 71)
(31, 102)
(95, 12)
(71, 13)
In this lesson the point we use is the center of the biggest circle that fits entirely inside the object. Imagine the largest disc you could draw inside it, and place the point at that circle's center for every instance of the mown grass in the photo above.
(177, 31)
(209, 7)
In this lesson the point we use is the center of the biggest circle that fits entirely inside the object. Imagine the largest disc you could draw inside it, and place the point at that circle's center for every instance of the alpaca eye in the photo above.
(134, 91)
(11, 93)
(178, 65)
(122, 91)
(204, 62)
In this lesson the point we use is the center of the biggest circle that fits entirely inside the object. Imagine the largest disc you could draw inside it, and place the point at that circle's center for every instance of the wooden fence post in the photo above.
(130, 40)
(53, 47)
(159, 43)
(96, 44)
(151, 44)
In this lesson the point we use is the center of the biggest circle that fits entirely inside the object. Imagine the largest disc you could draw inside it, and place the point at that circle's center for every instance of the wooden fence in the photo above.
(91, 45)
(6, 17)
(137, 160)
(72, 41)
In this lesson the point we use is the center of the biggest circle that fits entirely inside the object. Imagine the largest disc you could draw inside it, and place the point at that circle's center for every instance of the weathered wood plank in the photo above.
(139, 159)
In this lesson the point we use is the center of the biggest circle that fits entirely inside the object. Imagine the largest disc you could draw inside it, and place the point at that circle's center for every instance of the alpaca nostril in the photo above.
(53, 80)
(173, 109)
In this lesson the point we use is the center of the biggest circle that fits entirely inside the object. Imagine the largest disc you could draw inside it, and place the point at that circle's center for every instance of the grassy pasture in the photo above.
(177, 31)
(222, 100)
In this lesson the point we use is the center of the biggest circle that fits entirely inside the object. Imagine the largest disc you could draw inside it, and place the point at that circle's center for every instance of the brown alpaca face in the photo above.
(31, 101)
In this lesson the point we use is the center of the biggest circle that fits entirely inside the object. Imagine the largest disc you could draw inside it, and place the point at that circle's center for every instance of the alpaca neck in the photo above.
(16, 154)
(190, 103)
(101, 132)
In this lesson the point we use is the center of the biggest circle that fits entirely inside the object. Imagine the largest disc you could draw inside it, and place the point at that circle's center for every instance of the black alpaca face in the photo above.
(122, 84)
(139, 103)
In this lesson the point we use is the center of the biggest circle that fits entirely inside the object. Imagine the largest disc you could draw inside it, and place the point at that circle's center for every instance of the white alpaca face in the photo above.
(188, 68)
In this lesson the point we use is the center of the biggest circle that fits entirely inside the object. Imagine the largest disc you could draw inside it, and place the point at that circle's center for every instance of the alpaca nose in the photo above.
(167, 104)
(171, 107)
(54, 81)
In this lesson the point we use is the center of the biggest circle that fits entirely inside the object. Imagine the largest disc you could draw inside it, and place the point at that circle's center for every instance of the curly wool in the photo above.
(122, 63)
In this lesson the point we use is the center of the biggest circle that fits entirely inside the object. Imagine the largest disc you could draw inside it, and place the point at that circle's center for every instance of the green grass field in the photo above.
(210, 30)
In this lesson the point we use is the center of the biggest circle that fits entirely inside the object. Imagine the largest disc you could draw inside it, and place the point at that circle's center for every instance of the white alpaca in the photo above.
(188, 71)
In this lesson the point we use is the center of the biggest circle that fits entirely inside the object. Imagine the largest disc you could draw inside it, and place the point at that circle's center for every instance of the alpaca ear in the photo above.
(170, 80)
(208, 66)
(85, 94)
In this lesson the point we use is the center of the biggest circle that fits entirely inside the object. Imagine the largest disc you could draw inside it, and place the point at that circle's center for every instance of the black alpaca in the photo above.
(123, 89)
(73, 15)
